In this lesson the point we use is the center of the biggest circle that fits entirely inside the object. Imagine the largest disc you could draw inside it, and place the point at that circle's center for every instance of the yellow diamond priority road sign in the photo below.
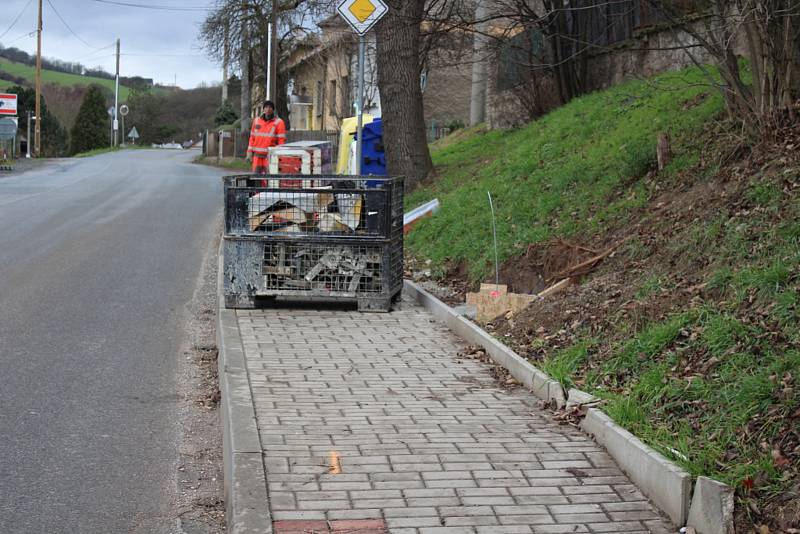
(362, 15)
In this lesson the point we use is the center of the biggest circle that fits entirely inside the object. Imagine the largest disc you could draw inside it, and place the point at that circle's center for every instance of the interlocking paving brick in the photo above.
(370, 423)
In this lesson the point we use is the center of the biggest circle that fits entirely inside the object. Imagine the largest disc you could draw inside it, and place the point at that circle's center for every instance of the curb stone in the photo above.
(541, 385)
(712, 507)
(245, 485)
(663, 481)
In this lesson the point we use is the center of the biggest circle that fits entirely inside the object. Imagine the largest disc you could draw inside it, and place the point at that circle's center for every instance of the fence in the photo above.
(230, 143)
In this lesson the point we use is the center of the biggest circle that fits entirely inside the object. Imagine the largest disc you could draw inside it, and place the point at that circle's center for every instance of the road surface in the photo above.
(98, 258)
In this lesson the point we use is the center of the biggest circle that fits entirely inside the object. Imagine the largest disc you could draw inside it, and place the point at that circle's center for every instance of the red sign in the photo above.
(8, 104)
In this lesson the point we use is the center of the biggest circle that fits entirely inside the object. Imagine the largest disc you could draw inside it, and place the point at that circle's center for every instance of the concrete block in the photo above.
(595, 424)
(556, 394)
(539, 383)
(660, 479)
(712, 507)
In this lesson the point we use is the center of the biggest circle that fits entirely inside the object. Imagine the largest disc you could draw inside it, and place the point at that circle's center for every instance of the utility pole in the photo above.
(37, 129)
(116, 98)
(273, 75)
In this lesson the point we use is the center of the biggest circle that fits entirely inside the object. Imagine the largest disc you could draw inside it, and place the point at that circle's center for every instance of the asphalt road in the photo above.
(98, 258)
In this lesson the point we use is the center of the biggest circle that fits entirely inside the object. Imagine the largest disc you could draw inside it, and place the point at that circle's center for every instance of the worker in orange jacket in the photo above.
(267, 131)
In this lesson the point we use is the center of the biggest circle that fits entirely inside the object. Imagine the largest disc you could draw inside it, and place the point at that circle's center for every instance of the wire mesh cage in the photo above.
(318, 205)
(313, 237)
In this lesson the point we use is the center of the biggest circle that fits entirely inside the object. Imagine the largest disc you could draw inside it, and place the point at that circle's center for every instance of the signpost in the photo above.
(123, 110)
(361, 15)
(133, 135)
(111, 114)
(8, 105)
(8, 128)
(8, 120)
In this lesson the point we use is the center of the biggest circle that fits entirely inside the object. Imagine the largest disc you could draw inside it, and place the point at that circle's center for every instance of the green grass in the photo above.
(703, 386)
(59, 78)
(556, 176)
(566, 362)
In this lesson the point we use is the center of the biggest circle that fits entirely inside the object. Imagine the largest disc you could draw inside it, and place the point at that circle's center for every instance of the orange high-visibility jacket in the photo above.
(264, 134)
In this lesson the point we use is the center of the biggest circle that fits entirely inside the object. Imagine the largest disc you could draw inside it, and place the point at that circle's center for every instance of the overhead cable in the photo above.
(64, 22)
(14, 22)
(160, 7)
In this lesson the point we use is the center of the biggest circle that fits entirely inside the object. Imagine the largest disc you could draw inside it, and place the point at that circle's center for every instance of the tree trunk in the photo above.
(398, 36)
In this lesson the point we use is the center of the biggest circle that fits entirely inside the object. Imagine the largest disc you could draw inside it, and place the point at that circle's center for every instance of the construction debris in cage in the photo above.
(339, 268)
(321, 211)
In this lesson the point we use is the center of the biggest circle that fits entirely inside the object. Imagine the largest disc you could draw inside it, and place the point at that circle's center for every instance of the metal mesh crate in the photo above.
(313, 238)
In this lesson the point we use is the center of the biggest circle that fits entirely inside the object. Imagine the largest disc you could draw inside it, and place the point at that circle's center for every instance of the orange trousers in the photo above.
(260, 165)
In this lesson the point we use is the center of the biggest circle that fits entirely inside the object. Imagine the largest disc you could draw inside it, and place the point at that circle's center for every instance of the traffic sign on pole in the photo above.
(8, 128)
(362, 15)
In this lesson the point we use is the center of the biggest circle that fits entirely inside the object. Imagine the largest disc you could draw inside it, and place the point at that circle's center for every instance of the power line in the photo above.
(64, 22)
(164, 55)
(29, 34)
(16, 19)
(89, 55)
(159, 7)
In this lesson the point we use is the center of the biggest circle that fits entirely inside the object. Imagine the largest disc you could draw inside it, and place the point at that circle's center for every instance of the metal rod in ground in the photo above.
(494, 233)
(359, 144)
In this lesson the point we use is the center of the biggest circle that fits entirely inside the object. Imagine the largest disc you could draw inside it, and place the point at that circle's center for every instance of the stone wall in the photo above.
(447, 94)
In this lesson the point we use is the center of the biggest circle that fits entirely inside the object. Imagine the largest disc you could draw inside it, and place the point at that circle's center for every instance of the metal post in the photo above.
(28, 138)
(115, 124)
(273, 76)
(268, 81)
(122, 137)
(37, 129)
(362, 42)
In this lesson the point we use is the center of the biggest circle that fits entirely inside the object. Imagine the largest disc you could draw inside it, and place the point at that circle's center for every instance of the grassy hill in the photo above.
(688, 327)
(28, 73)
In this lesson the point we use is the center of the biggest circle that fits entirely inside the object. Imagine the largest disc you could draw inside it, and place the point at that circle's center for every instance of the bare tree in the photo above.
(770, 31)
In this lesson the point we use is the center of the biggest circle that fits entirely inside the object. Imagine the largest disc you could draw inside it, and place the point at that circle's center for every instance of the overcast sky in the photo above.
(156, 44)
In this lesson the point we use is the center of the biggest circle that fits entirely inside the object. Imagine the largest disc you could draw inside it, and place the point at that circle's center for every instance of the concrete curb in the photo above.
(666, 484)
(539, 383)
(245, 484)
(663, 481)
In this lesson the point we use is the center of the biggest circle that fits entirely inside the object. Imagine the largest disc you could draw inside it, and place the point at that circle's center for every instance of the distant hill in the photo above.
(11, 73)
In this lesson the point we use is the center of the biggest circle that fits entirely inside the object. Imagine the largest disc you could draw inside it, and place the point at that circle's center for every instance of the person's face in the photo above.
(268, 110)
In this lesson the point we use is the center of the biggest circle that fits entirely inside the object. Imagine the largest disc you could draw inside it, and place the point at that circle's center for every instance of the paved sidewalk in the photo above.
(371, 423)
